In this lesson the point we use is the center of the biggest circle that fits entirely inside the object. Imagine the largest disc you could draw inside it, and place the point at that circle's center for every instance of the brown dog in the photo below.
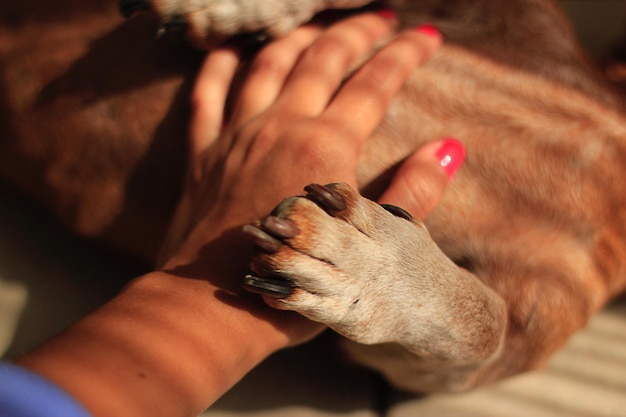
(534, 224)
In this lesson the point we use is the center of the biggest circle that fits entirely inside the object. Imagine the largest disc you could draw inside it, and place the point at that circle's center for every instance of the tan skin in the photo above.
(174, 340)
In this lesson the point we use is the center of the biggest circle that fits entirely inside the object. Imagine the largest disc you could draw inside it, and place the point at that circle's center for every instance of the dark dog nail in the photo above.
(397, 211)
(326, 197)
(272, 287)
(173, 29)
(261, 239)
(280, 228)
(254, 40)
(130, 7)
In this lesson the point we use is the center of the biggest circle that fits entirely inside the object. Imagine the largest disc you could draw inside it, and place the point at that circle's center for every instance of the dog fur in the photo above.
(534, 223)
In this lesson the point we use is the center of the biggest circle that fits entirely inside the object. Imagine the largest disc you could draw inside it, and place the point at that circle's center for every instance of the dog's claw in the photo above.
(272, 287)
(252, 40)
(261, 239)
(280, 228)
(326, 197)
(397, 211)
(130, 7)
(173, 28)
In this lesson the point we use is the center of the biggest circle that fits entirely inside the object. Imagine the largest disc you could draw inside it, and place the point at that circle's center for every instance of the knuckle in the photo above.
(271, 60)
(327, 47)
(415, 47)
(423, 196)
(263, 135)
(313, 153)
(199, 103)
(386, 69)
(312, 147)
(325, 143)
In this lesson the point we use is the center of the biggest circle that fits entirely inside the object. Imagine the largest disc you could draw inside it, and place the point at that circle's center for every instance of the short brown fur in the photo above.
(92, 112)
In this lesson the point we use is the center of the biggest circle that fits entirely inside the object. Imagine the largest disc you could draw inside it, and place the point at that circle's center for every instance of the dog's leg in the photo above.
(209, 22)
(378, 279)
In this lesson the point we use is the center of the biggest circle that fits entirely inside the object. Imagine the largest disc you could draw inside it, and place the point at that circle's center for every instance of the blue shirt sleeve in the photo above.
(24, 393)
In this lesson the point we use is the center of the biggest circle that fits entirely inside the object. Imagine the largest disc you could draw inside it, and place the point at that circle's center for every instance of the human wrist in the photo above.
(203, 305)
(165, 346)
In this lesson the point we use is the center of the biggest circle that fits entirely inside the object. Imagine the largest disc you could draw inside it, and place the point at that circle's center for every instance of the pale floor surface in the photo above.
(48, 279)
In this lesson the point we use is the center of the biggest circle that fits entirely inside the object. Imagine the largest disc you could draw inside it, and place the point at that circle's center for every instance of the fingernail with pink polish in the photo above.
(429, 30)
(451, 155)
(387, 14)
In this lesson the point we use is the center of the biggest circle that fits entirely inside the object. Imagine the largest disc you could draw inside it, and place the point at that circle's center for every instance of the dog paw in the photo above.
(207, 23)
(340, 259)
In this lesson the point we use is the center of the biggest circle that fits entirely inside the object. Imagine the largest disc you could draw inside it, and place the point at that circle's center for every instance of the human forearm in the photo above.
(168, 345)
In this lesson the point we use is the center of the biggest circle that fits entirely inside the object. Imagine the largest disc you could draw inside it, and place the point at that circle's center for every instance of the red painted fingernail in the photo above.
(451, 155)
(387, 14)
(429, 30)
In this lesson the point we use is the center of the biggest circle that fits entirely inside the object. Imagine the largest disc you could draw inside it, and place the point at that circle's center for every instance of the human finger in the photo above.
(366, 96)
(268, 72)
(326, 63)
(421, 180)
(208, 99)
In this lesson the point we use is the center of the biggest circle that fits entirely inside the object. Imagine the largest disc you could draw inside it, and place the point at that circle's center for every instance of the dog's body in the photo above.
(535, 221)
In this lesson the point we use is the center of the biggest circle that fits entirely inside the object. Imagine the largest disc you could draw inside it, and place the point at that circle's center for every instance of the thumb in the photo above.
(421, 180)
